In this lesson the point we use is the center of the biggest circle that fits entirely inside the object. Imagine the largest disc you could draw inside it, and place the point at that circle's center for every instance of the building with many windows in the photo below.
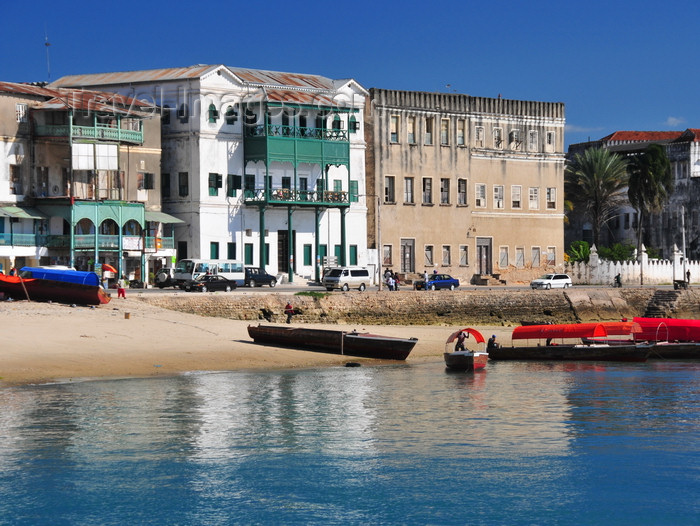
(261, 166)
(79, 174)
(469, 186)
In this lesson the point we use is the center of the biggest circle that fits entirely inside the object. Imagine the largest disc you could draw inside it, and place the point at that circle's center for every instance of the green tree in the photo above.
(650, 184)
(595, 181)
(579, 251)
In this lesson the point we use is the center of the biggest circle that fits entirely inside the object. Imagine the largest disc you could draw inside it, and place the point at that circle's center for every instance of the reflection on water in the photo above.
(382, 444)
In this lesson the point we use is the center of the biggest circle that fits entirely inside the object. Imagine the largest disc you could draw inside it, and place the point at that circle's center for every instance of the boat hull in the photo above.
(602, 353)
(363, 345)
(36, 289)
(465, 360)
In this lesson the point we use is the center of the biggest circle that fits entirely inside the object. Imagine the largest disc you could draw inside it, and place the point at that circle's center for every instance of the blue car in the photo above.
(438, 281)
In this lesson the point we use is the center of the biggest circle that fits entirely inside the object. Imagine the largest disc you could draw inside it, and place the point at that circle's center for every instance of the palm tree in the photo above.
(650, 184)
(595, 181)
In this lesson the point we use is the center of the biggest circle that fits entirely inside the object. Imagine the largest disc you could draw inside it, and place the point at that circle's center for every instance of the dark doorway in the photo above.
(483, 255)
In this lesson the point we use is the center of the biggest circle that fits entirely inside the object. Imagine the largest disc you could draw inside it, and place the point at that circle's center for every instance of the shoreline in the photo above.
(44, 343)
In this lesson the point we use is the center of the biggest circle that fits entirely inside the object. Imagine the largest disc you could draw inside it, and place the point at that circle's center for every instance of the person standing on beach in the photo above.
(121, 288)
(425, 279)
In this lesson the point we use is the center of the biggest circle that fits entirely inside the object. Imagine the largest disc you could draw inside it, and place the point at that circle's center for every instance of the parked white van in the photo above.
(346, 278)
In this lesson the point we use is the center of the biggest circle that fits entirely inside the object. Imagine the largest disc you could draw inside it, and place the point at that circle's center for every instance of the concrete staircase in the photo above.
(488, 280)
(662, 303)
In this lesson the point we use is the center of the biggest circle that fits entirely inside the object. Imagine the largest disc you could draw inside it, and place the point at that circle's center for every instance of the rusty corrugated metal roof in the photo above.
(641, 136)
(261, 77)
(300, 97)
(134, 77)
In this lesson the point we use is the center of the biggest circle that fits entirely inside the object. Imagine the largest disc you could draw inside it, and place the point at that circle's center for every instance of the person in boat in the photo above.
(492, 343)
(13, 271)
(461, 337)
(289, 311)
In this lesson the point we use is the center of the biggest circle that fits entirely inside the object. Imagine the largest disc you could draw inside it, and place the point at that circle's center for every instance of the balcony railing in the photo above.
(19, 240)
(86, 241)
(299, 197)
(296, 132)
(90, 132)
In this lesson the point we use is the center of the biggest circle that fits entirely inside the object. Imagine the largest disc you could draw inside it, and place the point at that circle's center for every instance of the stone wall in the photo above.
(487, 307)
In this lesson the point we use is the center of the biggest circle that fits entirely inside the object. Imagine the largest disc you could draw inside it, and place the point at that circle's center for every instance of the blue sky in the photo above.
(617, 65)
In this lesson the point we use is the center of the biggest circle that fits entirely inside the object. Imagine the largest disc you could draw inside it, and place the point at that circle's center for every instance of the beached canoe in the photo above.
(59, 285)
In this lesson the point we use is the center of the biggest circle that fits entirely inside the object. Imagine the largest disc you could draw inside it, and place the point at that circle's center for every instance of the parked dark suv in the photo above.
(257, 277)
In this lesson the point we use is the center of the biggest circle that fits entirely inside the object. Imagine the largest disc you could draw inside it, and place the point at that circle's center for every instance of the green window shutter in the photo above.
(353, 125)
(214, 250)
(267, 253)
(248, 254)
(231, 115)
(213, 113)
(353, 192)
(213, 188)
(230, 189)
(307, 255)
(231, 251)
(353, 254)
(337, 185)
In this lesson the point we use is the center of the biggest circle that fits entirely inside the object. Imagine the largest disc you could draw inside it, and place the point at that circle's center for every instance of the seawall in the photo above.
(487, 307)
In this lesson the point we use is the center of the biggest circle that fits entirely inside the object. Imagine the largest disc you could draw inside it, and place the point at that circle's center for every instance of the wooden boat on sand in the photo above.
(51, 284)
(559, 346)
(353, 343)
(466, 360)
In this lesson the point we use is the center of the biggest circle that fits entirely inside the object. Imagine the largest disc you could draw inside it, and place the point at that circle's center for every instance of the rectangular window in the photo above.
(427, 191)
(394, 132)
(429, 260)
(535, 257)
(549, 141)
(444, 191)
(164, 186)
(446, 256)
(144, 180)
(354, 192)
(15, 179)
(516, 196)
(519, 257)
(249, 184)
(21, 113)
(514, 140)
(213, 250)
(498, 138)
(503, 257)
(230, 250)
(444, 132)
(411, 130)
(498, 196)
(183, 184)
(461, 191)
(551, 198)
(480, 195)
(287, 183)
(551, 256)
(337, 185)
(463, 255)
(386, 256)
(429, 131)
(214, 184)
(532, 140)
(479, 136)
(308, 253)
(534, 198)
(389, 195)
(233, 184)
(408, 190)
(248, 254)
(461, 125)
(303, 184)
(353, 254)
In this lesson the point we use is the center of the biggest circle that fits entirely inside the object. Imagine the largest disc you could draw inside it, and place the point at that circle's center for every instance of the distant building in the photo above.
(469, 186)
(663, 230)
(261, 166)
(78, 181)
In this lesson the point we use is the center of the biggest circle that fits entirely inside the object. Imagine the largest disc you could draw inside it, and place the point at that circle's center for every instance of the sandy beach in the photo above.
(50, 342)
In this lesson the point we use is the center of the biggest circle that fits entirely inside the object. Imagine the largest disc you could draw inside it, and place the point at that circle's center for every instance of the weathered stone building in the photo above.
(470, 186)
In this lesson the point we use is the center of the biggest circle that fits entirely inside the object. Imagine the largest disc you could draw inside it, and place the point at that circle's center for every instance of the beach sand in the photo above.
(53, 342)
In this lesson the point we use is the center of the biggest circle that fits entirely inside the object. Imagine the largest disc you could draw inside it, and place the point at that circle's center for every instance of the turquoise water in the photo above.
(407, 444)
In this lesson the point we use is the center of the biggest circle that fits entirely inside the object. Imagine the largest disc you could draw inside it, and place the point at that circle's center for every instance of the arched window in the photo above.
(165, 116)
(231, 115)
(183, 113)
(353, 125)
(213, 113)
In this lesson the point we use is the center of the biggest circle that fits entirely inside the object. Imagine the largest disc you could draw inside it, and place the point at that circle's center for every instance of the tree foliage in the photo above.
(595, 181)
(617, 252)
(579, 251)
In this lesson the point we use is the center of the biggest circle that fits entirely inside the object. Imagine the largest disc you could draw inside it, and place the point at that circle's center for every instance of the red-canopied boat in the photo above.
(672, 337)
(465, 360)
(54, 284)
(558, 344)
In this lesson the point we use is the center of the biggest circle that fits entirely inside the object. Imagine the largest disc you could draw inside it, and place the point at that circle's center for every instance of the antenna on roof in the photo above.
(47, 44)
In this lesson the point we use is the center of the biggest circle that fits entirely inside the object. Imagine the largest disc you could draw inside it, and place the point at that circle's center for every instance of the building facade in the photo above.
(78, 181)
(680, 215)
(262, 167)
(469, 186)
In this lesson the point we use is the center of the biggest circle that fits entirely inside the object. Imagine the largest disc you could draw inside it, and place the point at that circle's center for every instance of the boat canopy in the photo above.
(615, 328)
(668, 329)
(477, 335)
(67, 276)
(576, 330)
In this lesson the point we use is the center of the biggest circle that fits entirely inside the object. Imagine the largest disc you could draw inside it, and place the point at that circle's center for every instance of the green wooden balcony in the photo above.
(284, 196)
(89, 132)
(295, 144)
(19, 240)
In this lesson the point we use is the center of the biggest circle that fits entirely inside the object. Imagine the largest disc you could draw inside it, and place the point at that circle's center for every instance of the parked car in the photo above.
(551, 281)
(257, 277)
(346, 278)
(165, 277)
(438, 281)
(209, 282)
